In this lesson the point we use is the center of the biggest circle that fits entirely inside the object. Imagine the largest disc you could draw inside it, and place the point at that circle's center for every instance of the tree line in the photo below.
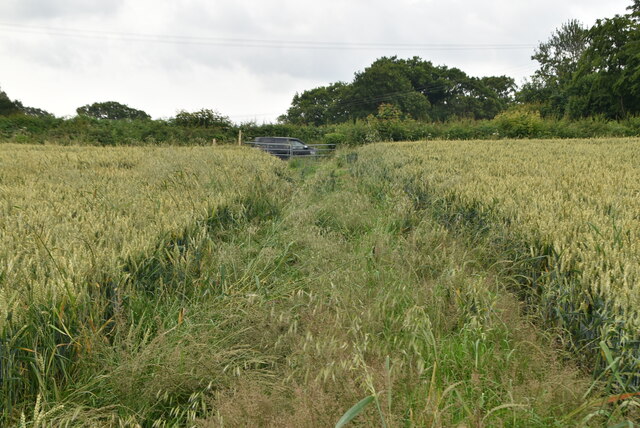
(113, 110)
(416, 87)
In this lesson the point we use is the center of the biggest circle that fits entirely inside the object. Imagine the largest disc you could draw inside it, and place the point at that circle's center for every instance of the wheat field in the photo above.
(572, 205)
(70, 212)
(399, 284)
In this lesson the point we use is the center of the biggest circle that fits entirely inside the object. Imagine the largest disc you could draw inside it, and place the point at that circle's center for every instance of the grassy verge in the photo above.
(328, 288)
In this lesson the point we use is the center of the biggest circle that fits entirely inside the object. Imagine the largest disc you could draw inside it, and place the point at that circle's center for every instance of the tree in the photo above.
(558, 58)
(607, 79)
(389, 112)
(36, 112)
(503, 87)
(635, 10)
(7, 107)
(318, 106)
(111, 110)
(472, 97)
(386, 81)
(416, 87)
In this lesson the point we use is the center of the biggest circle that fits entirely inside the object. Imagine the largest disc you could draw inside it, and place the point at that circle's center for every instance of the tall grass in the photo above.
(564, 209)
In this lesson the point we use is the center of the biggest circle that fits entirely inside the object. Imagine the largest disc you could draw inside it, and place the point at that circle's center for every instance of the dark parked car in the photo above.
(283, 147)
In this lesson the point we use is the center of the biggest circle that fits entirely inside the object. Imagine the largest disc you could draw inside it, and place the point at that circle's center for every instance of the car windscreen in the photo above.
(297, 144)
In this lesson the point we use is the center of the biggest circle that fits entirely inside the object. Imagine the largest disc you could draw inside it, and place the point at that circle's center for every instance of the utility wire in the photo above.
(246, 43)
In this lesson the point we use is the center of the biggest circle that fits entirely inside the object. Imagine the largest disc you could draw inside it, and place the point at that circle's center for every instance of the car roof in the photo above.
(276, 139)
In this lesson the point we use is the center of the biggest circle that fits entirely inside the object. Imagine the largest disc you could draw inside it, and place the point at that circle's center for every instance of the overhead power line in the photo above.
(246, 42)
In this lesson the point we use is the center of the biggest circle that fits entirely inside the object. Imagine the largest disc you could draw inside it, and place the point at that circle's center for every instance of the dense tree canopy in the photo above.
(558, 58)
(7, 107)
(418, 88)
(111, 110)
(607, 79)
(318, 106)
(582, 72)
(589, 72)
(10, 107)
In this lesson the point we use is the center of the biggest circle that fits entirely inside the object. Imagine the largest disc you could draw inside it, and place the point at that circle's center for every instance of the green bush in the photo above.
(334, 139)
(360, 132)
(633, 125)
(459, 131)
(520, 122)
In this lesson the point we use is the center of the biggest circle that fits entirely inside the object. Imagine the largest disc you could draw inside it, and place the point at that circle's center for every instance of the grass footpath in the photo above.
(293, 306)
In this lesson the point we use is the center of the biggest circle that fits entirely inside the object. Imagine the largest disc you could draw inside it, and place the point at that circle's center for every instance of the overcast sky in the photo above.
(247, 58)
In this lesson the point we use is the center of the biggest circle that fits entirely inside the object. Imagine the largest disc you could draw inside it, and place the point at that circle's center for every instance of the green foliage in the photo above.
(7, 107)
(111, 110)
(334, 138)
(520, 122)
(607, 80)
(558, 58)
(358, 132)
(589, 72)
(583, 73)
(308, 134)
(416, 87)
(204, 118)
(591, 76)
(387, 81)
(15, 107)
(389, 112)
(37, 112)
(318, 106)
(354, 411)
